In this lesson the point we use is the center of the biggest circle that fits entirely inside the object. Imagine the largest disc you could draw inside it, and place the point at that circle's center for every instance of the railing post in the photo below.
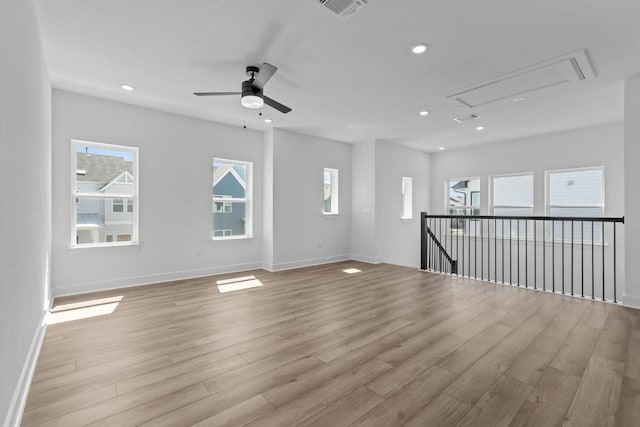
(423, 241)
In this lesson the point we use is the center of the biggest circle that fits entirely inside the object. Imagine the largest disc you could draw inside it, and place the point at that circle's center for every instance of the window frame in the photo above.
(121, 203)
(492, 192)
(75, 194)
(406, 213)
(226, 232)
(447, 206)
(247, 200)
(548, 206)
(547, 189)
(227, 207)
(499, 232)
(335, 193)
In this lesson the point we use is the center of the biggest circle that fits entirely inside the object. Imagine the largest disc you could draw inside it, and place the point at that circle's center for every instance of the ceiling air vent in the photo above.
(343, 8)
(466, 118)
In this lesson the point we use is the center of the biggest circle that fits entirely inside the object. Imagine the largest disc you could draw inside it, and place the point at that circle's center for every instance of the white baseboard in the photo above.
(21, 392)
(630, 301)
(367, 259)
(127, 282)
(305, 263)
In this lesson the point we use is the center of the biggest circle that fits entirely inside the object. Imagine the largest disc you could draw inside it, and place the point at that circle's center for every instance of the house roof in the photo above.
(221, 171)
(99, 168)
(87, 220)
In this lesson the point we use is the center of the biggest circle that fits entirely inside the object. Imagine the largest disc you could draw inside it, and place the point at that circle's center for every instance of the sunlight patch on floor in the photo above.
(352, 270)
(83, 310)
(238, 284)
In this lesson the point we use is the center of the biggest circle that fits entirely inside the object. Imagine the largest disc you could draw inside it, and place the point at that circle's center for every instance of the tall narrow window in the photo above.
(232, 199)
(513, 196)
(576, 193)
(104, 189)
(407, 198)
(330, 200)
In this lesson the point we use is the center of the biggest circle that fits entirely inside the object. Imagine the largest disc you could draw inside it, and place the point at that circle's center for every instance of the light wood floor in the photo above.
(388, 346)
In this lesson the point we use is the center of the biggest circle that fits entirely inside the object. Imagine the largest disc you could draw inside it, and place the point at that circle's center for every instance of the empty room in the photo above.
(319, 213)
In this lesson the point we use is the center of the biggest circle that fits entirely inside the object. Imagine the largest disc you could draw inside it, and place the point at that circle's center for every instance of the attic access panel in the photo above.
(568, 68)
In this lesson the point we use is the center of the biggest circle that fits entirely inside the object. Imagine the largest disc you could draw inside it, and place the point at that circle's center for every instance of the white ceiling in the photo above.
(349, 80)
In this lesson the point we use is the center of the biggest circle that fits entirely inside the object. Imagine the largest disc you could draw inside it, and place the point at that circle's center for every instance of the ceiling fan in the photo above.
(252, 96)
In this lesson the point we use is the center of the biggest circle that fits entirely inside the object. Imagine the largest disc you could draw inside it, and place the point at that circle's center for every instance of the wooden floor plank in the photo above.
(499, 405)
(316, 346)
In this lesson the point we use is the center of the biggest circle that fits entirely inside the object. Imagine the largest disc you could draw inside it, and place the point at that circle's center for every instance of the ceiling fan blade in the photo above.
(263, 76)
(215, 93)
(275, 104)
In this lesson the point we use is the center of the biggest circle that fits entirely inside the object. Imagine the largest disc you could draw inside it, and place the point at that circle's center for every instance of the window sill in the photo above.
(107, 246)
(331, 215)
(221, 239)
(406, 219)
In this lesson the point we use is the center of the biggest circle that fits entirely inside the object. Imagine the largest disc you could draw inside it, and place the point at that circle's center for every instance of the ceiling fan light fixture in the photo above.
(252, 101)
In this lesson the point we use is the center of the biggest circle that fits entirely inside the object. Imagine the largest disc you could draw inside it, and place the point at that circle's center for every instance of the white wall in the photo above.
(363, 202)
(302, 234)
(267, 192)
(378, 234)
(595, 146)
(25, 201)
(398, 241)
(175, 213)
(632, 201)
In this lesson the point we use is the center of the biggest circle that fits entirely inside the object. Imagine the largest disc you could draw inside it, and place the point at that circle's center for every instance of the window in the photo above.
(104, 180)
(330, 199)
(407, 198)
(117, 205)
(232, 197)
(463, 198)
(513, 196)
(222, 233)
(222, 207)
(575, 192)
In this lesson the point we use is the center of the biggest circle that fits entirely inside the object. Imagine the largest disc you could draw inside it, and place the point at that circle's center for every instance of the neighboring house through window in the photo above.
(330, 194)
(222, 206)
(104, 181)
(232, 198)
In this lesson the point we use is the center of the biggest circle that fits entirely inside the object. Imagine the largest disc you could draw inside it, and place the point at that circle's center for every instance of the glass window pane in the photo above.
(330, 194)
(233, 220)
(464, 192)
(513, 191)
(578, 188)
(229, 179)
(96, 222)
(104, 171)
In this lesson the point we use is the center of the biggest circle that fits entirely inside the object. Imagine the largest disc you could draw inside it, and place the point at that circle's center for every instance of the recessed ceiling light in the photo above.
(424, 113)
(268, 120)
(441, 148)
(418, 49)
(480, 128)
(522, 98)
(127, 87)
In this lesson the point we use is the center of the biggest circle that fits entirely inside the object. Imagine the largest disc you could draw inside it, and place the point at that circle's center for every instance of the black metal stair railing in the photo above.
(568, 255)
